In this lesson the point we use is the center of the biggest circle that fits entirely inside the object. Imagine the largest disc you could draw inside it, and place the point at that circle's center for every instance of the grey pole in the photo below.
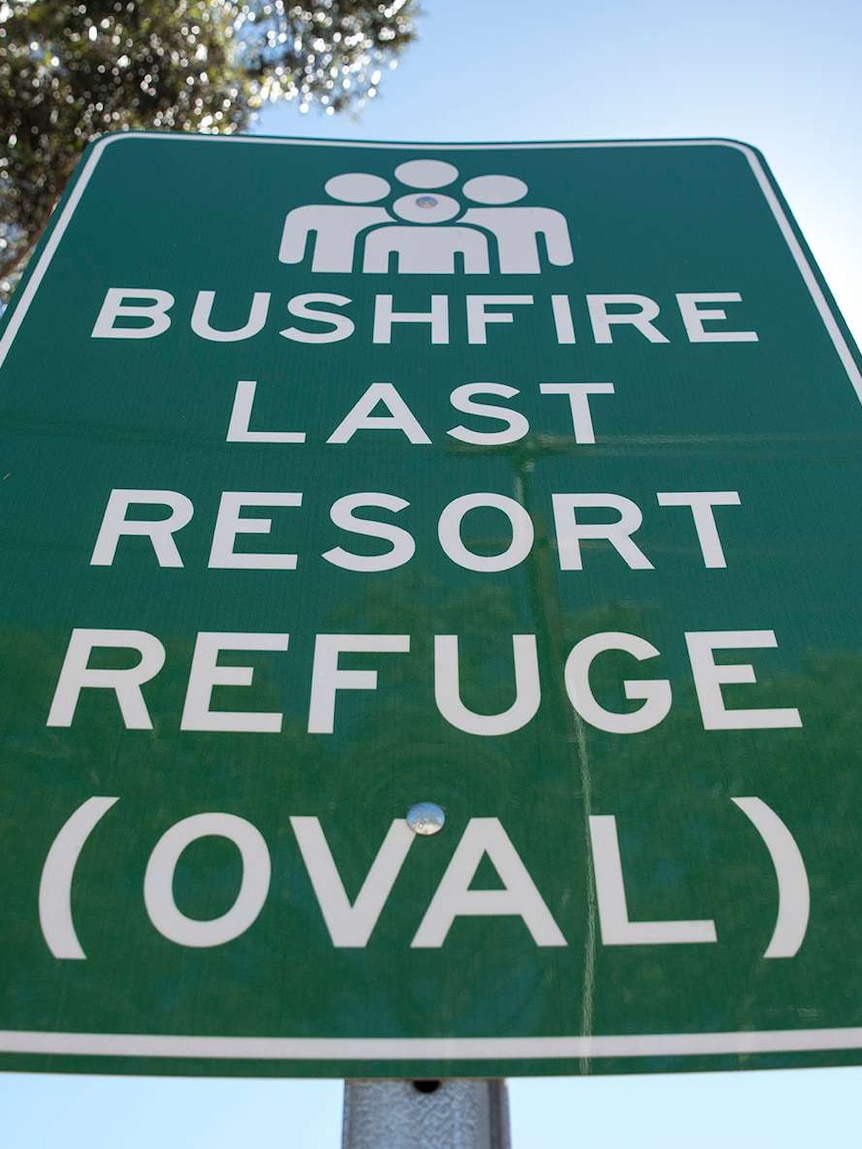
(451, 1114)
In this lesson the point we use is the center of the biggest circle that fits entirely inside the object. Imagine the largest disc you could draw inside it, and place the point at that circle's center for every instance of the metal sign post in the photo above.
(429, 650)
(426, 1114)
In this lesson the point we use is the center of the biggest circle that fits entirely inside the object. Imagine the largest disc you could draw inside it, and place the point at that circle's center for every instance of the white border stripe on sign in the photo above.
(430, 1048)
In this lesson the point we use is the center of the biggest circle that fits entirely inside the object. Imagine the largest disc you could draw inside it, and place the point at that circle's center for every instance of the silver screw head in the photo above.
(426, 201)
(426, 818)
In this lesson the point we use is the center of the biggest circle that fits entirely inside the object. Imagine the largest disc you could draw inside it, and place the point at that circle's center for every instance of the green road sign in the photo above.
(519, 480)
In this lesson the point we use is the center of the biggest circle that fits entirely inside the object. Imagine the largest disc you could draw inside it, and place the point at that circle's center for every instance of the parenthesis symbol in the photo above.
(55, 885)
(794, 895)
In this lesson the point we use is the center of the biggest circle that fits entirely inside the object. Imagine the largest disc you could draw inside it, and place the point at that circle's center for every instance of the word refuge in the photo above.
(329, 678)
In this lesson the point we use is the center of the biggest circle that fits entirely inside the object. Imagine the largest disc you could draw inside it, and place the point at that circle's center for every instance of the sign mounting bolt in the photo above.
(426, 818)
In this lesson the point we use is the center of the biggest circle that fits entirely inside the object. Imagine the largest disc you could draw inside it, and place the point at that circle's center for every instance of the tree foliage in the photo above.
(70, 71)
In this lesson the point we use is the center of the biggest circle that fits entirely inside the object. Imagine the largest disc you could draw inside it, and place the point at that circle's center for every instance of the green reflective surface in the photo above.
(775, 420)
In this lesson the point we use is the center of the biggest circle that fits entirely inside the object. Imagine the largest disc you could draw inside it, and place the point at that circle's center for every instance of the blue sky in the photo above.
(783, 76)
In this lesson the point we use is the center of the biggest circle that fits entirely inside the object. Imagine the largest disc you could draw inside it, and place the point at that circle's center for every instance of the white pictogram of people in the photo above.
(491, 234)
